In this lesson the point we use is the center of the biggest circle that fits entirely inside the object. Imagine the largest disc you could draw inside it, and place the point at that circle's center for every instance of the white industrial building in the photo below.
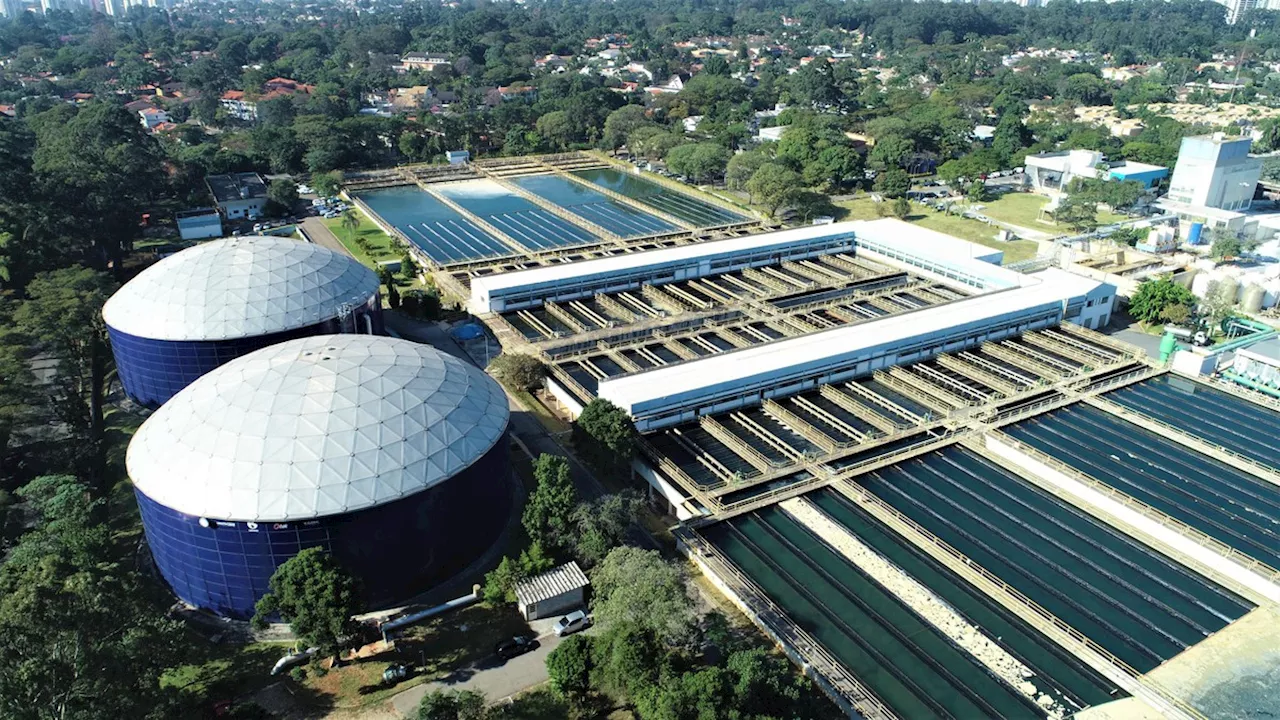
(1003, 303)
(679, 393)
(1215, 171)
(528, 288)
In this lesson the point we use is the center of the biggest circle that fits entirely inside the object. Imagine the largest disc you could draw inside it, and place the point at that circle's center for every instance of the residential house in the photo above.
(152, 117)
(234, 104)
(527, 93)
(426, 62)
(674, 84)
(552, 63)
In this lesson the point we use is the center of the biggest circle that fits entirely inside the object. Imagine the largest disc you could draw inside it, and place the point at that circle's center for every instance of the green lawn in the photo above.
(864, 208)
(1023, 209)
(382, 247)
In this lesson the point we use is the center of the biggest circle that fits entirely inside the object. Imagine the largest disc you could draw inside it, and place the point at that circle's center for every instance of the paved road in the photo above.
(496, 679)
(1134, 336)
(321, 235)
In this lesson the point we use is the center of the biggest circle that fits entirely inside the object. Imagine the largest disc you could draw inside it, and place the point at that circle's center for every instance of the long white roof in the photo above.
(239, 287)
(314, 427)
(738, 369)
(616, 263)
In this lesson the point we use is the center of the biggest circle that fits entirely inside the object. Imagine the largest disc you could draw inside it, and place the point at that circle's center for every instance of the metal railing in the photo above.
(804, 644)
(993, 585)
(1208, 542)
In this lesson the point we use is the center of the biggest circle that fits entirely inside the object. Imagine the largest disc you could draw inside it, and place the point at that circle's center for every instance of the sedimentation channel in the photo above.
(1137, 604)
(1233, 506)
(1219, 417)
(909, 664)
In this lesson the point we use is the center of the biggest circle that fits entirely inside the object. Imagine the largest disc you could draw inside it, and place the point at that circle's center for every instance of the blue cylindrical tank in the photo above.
(199, 308)
(1194, 234)
(387, 453)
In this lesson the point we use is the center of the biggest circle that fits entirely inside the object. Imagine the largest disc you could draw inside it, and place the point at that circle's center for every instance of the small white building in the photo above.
(1051, 173)
(457, 157)
(774, 133)
(552, 593)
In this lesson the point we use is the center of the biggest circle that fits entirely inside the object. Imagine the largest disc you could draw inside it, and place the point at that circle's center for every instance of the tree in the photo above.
(283, 196)
(836, 167)
(637, 587)
(901, 208)
(628, 659)
(1077, 212)
(601, 524)
(1225, 246)
(62, 318)
(96, 168)
(1153, 296)
(316, 596)
(893, 183)
(452, 705)
(327, 184)
(741, 167)
(80, 635)
(606, 434)
(1176, 314)
(556, 128)
(500, 582)
(699, 161)
(1128, 236)
(518, 370)
(653, 142)
(774, 186)
(569, 667)
(809, 205)
(408, 268)
(422, 304)
(620, 123)
(548, 512)
(977, 191)
(350, 223)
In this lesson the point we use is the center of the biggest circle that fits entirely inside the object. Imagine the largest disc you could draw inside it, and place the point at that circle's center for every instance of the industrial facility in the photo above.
(388, 453)
(925, 475)
(208, 304)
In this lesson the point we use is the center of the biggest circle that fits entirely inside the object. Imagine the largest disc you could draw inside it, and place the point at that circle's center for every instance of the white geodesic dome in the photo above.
(317, 426)
(239, 287)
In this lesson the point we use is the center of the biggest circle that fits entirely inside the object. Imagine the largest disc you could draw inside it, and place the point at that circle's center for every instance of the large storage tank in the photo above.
(390, 454)
(199, 308)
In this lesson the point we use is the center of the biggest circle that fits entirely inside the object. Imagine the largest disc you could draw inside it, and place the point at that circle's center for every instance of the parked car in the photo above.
(394, 674)
(293, 659)
(515, 647)
(572, 623)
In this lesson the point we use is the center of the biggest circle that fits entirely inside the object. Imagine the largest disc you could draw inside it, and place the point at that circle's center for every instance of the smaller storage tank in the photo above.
(1227, 290)
(1252, 298)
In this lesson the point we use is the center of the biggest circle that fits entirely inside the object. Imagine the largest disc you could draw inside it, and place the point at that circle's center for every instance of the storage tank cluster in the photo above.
(1253, 288)
(197, 309)
(286, 421)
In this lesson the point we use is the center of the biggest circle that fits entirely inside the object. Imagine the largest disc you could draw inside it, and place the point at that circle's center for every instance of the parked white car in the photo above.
(572, 623)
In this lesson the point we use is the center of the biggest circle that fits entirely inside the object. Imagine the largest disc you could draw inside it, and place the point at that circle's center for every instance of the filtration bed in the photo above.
(1135, 603)
(675, 203)
(593, 206)
(1220, 417)
(915, 670)
(1235, 507)
(1071, 681)
(528, 224)
(439, 231)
